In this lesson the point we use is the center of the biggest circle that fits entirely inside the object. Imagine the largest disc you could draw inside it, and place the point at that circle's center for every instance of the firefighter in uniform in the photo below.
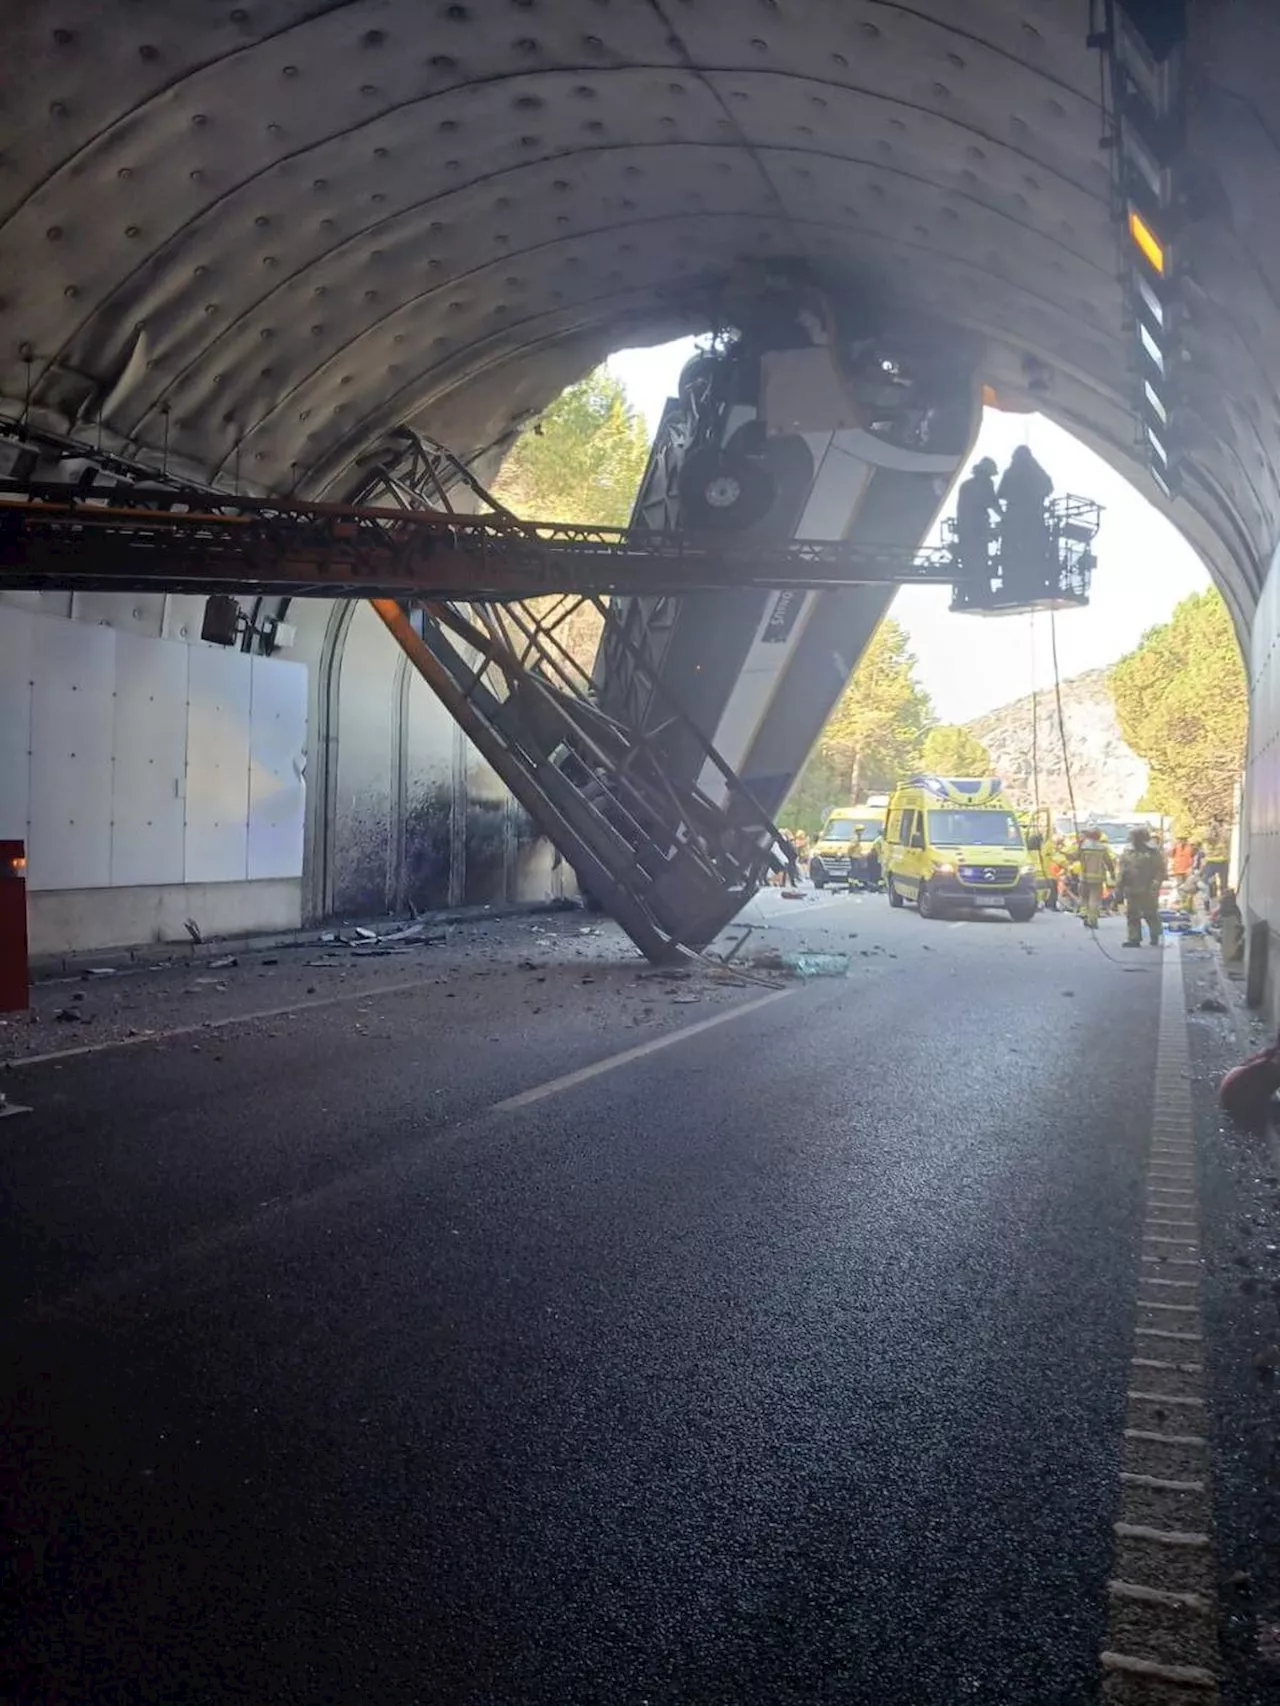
(1097, 869)
(1142, 870)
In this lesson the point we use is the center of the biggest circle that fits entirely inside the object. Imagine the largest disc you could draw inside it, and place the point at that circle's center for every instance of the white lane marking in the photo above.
(958, 925)
(207, 1025)
(553, 1086)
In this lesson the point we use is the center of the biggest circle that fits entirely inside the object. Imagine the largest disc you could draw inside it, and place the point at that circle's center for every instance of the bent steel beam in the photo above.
(49, 538)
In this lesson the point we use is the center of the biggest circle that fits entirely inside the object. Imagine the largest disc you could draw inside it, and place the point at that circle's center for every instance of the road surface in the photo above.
(507, 1328)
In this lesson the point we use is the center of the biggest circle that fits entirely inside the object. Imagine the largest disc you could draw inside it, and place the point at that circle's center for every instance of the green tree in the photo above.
(580, 462)
(950, 750)
(873, 737)
(1182, 704)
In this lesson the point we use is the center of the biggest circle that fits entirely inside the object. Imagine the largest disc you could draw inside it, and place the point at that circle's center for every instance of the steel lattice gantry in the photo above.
(479, 603)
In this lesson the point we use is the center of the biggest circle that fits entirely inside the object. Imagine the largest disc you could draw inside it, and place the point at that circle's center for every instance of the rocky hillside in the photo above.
(1107, 774)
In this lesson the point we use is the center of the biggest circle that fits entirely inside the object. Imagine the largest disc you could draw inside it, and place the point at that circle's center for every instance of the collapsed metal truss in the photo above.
(667, 863)
(480, 603)
(197, 541)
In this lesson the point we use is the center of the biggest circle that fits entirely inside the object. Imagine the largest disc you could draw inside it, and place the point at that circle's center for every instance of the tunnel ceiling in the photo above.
(265, 234)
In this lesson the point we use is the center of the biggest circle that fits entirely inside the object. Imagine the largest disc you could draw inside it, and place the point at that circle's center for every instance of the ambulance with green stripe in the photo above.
(954, 842)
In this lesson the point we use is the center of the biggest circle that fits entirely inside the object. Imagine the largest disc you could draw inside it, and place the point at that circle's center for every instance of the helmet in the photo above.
(1139, 834)
(986, 466)
(1089, 834)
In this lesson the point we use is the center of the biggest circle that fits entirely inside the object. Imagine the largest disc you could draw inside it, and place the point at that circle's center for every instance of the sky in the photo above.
(971, 664)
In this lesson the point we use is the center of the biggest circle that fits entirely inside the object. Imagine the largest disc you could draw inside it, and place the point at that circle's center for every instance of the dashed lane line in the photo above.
(584, 1074)
(1162, 1639)
(206, 1025)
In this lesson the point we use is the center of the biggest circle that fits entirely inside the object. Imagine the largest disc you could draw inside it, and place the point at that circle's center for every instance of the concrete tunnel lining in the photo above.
(251, 240)
(294, 227)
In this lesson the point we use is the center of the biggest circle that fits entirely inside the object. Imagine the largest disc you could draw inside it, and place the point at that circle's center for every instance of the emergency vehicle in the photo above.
(955, 841)
(831, 857)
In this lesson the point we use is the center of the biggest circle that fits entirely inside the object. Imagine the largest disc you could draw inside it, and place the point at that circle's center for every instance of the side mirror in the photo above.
(1035, 843)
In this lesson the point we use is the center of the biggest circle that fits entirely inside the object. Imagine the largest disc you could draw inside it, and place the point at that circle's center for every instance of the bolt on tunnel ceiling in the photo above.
(254, 239)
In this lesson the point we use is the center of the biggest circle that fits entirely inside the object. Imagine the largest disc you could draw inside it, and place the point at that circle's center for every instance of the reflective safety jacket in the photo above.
(1216, 852)
(1096, 863)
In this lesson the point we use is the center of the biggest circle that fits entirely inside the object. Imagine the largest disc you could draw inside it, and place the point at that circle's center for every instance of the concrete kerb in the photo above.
(50, 967)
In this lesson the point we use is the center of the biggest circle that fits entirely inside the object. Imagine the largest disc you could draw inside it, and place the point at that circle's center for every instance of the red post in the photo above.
(15, 983)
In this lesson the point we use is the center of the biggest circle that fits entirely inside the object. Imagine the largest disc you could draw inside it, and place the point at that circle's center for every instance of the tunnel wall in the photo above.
(1260, 854)
(157, 779)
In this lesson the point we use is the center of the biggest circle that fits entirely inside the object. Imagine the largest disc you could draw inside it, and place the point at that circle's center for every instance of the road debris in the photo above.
(8, 1109)
(224, 964)
(192, 929)
(71, 1016)
(805, 964)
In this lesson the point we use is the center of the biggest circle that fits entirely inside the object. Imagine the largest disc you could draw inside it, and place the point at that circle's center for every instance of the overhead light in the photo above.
(1157, 448)
(1162, 485)
(1154, 353)
(1150, 301)
(1154, 402)
(1148, 244)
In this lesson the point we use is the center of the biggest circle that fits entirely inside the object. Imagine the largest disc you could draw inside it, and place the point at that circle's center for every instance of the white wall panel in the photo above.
(148, 809)
(277, 758)
(71, 729)
(16, 658)
(217, 819)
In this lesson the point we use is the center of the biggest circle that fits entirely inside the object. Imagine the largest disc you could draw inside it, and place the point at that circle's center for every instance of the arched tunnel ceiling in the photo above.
(267, 233)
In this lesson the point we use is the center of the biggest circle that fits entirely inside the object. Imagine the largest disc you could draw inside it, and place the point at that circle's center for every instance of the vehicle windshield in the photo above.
(845, 828)
(974, 829)
(1114, 832)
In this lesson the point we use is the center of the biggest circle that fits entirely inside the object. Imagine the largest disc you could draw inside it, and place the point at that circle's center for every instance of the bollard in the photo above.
(15, 984)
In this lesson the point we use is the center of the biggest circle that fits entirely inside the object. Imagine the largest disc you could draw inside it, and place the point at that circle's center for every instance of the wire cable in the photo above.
(1071, 793)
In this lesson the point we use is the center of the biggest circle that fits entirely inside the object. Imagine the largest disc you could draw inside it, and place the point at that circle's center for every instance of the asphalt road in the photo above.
(783, 1362)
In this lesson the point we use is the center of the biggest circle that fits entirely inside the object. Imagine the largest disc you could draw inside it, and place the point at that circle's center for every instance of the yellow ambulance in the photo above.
(955, 841)
(846, 828)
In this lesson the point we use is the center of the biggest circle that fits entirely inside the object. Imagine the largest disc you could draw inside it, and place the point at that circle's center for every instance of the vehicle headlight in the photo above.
(1028, 871)
(945, 870)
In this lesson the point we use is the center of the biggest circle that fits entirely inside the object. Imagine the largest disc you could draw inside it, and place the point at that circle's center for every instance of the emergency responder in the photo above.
(1097, 869)
(976, 513)
(875, 863)
(1182, 859)
(1044, 850)
(1142, 870)
(1071, 872)
(1025, 488)
(1215, 855)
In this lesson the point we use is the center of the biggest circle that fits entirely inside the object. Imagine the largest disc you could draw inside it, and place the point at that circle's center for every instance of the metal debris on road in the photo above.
(192, 929)
(224, 964)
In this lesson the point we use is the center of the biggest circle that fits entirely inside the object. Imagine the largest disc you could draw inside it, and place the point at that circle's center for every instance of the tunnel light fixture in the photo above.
(1141, 159)
(1156, 447)
(1147, 243)
(1154, 402)
(1151, 349)
(1163, 486)
(1150, 301)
